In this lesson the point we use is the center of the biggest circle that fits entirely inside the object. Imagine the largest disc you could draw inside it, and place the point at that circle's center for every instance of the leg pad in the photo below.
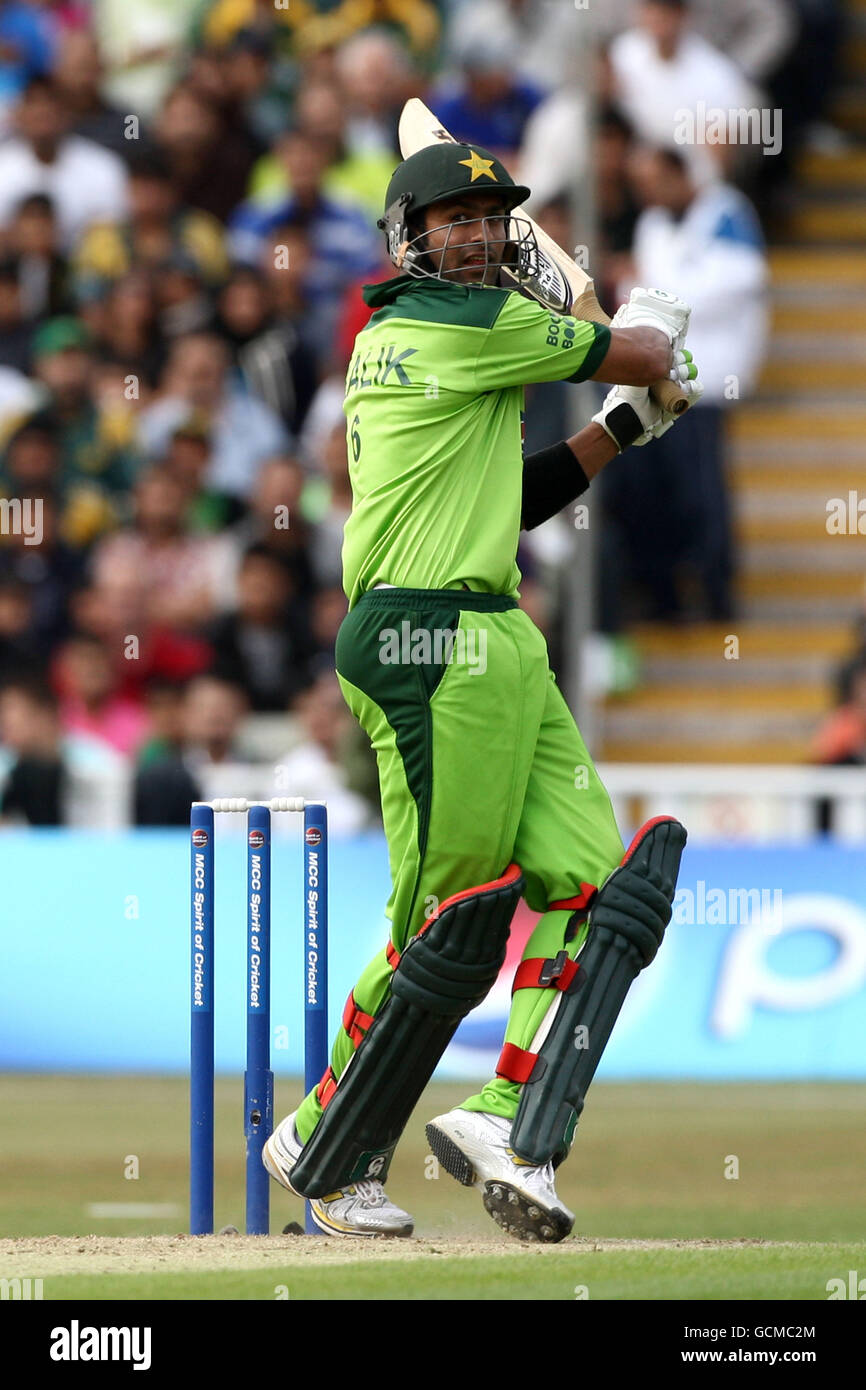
(626, 925)
(446, 970)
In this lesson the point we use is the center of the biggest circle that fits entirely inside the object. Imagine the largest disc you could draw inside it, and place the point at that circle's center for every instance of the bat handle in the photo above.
(669, 396)
(666, 393)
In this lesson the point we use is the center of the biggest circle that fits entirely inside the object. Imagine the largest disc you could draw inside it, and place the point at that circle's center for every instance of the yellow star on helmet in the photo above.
(479, 166)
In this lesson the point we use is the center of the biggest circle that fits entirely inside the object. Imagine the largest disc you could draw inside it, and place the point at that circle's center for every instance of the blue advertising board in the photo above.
(762, 974)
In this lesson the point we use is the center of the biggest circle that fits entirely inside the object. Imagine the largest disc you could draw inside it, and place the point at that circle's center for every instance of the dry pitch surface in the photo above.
(48, 1255)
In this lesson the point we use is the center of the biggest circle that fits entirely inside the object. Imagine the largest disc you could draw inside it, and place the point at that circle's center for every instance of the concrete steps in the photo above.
(801, 442)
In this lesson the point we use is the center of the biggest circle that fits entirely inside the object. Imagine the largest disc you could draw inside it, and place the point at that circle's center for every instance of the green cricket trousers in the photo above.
(480, 764)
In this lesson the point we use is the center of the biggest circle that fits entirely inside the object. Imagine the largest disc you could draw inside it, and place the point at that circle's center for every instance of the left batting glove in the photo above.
(655, 309)
(631, 416)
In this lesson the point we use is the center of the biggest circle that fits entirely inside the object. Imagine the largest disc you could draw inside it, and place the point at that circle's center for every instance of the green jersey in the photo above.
(434, 401)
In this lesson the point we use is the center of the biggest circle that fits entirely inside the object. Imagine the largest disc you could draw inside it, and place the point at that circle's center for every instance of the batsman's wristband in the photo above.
(551, 479)
(623, 424)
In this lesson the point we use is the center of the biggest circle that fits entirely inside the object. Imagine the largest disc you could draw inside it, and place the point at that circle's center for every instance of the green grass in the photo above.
(796, 1272)
(649, 1160)
(649, 1163)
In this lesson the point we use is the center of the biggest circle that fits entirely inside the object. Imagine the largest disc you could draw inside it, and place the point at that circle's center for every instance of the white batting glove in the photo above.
(627, 408)
(655, 309)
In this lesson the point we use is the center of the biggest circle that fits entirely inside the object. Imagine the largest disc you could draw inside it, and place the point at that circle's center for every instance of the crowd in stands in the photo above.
(188, 198)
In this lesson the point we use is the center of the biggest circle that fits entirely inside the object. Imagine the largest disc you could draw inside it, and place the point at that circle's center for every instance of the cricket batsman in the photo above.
(488, 791)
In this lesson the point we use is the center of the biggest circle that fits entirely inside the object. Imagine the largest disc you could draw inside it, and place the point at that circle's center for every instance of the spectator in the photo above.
(27, 41)
(179, 572)
(289, 284)
(33, 467)
(121, 387)
(256, 83)
(158, 227)
(661, 68)
(275, 520)
(85, 183)
(269, 353)
(313, 34)
(31, 462)
(342, 244)
(79, 75)
(49, 571)
(188, 459)
(329, 610)
(209, 162)
(617, 206)
(164, 787)
(213, 710)
(30, 739)
(184, 303)
(144, 47)
(90, 701)
(33, 239)
(706, 245)
(314, 768)
(116, 612)
(64, 364)
(841, 738)
(672, 499)
(209, 74)
(21, 652)
(15, 332)
(359, 167)
(264, 645)
(324, 415)
(561, 121)
(755, 34)
(164, 703)
(376, 78)
(355, 175)
(355, 314)
(244, 431)
(163, 791)
(485, 104)
(130, 337)
(546, 37)
(327, 540)
(18, 399)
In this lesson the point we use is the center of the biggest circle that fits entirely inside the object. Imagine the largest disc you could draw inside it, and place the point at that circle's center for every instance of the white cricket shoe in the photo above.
(475, 1148)
(363, 1209)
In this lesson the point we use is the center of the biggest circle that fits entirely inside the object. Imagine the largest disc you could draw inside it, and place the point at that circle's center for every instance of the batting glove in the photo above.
(655, 309)
(631, 416)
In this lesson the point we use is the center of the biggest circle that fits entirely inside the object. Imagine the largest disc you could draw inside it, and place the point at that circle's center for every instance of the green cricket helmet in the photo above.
(437, 172)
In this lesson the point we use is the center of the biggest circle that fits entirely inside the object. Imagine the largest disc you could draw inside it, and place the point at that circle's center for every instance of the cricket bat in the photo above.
(559, 283)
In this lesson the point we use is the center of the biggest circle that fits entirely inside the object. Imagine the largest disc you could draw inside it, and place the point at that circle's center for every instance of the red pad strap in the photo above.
(545, 974)
(326, 1088)
(393, 955)
(515, 1064)
(578, 904)
(355, 1021)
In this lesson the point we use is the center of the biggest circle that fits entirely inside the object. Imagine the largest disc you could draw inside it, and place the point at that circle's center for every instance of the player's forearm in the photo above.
(636, 357)
(554, 477)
